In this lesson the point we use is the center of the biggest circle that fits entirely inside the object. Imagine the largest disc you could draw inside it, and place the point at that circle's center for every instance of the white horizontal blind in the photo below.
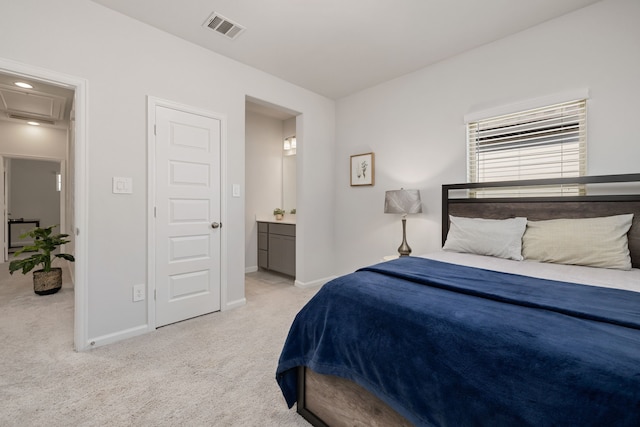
(547, 142)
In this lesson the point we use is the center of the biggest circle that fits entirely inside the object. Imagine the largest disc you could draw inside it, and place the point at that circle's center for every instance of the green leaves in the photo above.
(28, 264)
(44, 242)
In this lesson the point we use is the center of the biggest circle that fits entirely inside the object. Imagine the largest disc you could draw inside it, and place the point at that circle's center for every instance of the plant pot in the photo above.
(279, 217)
(46, 283)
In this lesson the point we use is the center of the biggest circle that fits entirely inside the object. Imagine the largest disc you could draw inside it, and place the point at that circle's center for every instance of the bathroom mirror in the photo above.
(289, 178)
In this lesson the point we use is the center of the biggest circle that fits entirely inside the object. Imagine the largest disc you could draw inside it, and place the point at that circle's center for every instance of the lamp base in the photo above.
(404, 249)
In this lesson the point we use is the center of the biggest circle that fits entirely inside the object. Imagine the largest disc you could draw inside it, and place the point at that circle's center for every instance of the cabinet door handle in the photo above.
(216, 225)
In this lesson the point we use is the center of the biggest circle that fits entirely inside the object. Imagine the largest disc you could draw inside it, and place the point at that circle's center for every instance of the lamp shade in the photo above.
(402, 202)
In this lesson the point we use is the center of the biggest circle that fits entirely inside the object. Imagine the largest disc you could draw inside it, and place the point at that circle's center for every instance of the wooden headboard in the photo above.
(541, 208)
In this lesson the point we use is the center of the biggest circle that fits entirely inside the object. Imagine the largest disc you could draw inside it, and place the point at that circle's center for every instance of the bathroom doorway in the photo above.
(271, 176)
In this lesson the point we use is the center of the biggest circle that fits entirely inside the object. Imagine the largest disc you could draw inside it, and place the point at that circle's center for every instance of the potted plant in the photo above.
(47, 280)
(279, 213)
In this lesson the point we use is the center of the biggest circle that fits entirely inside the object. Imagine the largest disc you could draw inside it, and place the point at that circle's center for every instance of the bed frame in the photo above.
(542, 208)
(326, 400)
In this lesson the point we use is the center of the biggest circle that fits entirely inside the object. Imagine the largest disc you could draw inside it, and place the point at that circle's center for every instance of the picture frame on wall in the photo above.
(362, 169)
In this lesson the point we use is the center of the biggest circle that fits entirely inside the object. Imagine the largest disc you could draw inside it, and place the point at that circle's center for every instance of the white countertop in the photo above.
(287, 219)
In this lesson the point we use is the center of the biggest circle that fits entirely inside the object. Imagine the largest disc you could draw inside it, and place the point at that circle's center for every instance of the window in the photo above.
(547, 142)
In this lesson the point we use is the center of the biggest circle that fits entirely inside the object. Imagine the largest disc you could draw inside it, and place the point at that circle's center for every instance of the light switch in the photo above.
(122, 185)
(236, 190)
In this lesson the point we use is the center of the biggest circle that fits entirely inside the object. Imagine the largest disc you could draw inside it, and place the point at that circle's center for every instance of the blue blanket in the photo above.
(447, 345)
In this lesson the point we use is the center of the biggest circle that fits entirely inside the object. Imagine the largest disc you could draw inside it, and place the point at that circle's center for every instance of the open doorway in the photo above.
(56, 104)
(270, 183)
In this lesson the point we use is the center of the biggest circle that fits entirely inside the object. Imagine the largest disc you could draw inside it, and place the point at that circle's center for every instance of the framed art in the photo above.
(362, 169)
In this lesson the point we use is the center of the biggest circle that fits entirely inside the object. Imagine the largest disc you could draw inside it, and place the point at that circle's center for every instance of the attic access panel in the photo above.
(32, 104)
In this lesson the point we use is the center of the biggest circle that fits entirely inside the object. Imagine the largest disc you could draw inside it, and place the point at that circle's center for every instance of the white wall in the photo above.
(263, 145)
(22, 140)
(415, 126)
(33, 195)
(123, 62)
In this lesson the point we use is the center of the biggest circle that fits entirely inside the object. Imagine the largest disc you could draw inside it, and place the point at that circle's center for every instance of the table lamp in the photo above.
(403, 202)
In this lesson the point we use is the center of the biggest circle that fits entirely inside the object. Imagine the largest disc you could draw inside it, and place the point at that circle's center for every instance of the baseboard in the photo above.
(235, 304)
(313, 283)
(117, 336)
(251, 269)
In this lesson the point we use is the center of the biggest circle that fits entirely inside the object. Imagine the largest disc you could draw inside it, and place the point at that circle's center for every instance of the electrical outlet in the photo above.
(138, 292)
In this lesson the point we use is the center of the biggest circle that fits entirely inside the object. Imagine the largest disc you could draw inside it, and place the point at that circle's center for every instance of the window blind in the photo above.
(547, 142)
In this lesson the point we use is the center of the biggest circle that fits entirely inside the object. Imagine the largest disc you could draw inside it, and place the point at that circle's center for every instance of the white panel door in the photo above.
(187, 215)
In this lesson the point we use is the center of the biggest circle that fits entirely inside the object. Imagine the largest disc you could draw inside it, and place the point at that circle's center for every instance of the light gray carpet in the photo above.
(215, 370)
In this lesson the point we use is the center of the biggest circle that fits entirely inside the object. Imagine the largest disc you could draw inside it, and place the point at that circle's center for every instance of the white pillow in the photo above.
(594, 242)
(494, 237)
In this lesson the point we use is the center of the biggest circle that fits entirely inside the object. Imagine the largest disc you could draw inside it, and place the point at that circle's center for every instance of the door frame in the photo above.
(152, 103)
(80, 183)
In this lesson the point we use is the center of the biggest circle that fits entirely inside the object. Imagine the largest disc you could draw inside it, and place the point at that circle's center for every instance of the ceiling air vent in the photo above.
(224, 26)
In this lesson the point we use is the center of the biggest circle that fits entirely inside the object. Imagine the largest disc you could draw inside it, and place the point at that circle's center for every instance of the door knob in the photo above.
(216, 225)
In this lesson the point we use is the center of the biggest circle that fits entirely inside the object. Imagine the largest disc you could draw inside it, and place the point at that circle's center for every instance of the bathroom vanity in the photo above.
(277, 246)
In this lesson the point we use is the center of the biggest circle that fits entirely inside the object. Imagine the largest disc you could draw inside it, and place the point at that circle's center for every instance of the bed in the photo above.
(460, 338)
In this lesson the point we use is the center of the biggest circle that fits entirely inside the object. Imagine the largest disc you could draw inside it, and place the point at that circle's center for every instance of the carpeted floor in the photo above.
(215, 370)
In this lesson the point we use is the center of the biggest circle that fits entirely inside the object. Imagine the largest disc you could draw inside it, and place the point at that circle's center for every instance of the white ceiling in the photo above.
(339, 47)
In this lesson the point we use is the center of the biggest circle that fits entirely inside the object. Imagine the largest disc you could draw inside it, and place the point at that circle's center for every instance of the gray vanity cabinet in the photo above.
(277, 247)
(263, 244)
